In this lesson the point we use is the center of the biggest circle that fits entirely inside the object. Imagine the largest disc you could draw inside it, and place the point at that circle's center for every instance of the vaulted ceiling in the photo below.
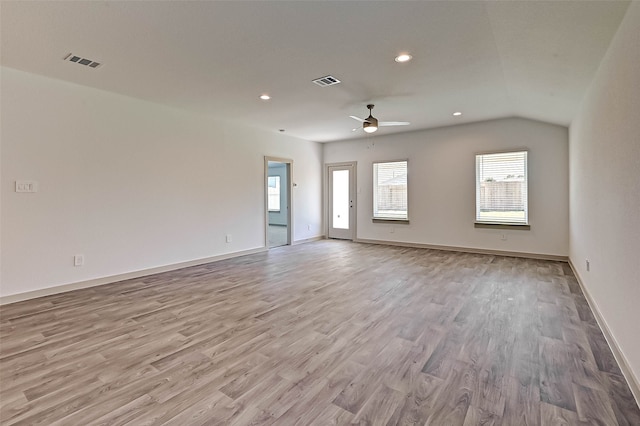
(487, 59)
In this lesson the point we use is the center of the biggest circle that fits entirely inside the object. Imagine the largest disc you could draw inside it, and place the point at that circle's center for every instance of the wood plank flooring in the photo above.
(323, 333)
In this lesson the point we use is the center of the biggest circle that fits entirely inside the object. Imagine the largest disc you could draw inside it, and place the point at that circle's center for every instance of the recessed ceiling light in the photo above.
(265, 97)
(404, 57)
(457, 114)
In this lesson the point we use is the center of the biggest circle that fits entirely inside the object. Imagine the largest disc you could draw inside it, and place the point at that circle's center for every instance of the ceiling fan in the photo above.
(371, 124)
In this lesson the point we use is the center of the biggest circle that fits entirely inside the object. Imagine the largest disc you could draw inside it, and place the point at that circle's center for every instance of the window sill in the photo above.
(389, 220)
(493, 225)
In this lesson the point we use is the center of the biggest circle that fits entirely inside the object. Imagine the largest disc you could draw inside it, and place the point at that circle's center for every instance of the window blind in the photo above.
(501, 188)
(390, 190)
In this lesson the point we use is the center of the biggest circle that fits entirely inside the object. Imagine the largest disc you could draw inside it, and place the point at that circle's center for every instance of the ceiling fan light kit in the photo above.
(369, 128)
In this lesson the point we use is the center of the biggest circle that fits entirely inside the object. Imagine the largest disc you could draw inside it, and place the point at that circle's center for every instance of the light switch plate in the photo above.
(26, 186)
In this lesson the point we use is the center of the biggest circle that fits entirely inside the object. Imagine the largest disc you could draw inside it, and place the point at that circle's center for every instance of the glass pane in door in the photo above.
(340, 199)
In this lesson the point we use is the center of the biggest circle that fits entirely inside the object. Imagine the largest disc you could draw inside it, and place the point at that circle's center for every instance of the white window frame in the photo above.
(479, 178)
(377, 217)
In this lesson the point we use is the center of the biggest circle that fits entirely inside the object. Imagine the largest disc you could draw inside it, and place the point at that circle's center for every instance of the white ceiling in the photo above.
(487, 59)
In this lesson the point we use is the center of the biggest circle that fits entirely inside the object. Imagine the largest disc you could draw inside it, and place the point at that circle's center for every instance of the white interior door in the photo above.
(342, 217)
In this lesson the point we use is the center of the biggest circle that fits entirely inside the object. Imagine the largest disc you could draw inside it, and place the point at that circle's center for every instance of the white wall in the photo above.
(442, 184)
(605, 189)
(130, 184)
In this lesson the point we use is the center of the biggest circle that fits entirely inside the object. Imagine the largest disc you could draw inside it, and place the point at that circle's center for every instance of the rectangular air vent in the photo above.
(326, 81)
(82, 61)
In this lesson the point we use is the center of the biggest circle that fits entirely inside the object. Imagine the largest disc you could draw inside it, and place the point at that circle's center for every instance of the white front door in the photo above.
(342, 210)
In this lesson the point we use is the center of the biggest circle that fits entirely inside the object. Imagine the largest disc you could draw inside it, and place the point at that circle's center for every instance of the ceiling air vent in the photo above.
(82, 61)
(326, 81)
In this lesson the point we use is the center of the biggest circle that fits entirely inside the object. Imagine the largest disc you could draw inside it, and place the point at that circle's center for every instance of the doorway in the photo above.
(342, 194)
(278, 202)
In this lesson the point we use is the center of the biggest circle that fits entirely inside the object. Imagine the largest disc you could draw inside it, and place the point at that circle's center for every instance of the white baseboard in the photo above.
(308, 240)
(467, 250)
(4, 300)
(634, 382)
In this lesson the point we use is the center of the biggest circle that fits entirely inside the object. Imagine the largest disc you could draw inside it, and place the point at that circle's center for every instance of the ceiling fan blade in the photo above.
(362, 120)
(393, 123)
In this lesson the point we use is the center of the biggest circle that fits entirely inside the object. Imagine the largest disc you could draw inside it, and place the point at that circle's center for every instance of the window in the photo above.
(501, 188)
(390, 190)
(274, 193)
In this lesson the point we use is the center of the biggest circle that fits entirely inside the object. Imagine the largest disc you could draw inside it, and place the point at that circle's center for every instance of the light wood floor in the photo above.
(322, 333)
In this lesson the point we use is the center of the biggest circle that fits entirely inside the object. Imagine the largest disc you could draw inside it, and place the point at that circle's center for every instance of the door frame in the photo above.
(353, 221)
(289, 198)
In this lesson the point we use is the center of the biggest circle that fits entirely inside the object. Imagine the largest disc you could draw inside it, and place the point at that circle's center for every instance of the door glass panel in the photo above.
(340, 199)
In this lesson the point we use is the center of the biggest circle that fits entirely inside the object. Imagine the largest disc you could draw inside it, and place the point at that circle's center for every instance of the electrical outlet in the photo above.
(392, 230)
(78, 260)
(503, 237)
(587, 264)
(309, 227)
(228, 238)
